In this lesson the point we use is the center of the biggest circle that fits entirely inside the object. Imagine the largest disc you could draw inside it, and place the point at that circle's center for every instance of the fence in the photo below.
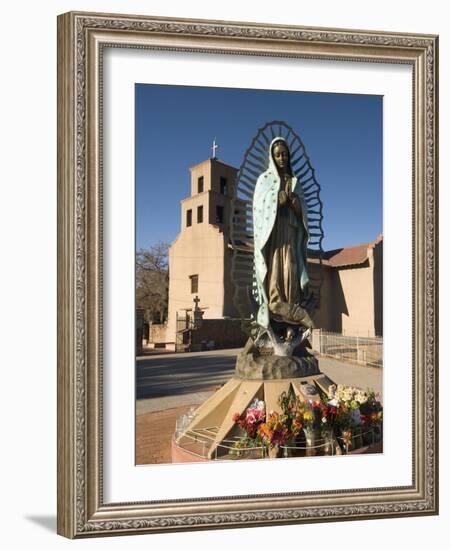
(364, 350)
(184, 325)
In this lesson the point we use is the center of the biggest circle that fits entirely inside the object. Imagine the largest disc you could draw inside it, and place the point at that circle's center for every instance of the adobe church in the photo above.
(200, 273)
(200, 257)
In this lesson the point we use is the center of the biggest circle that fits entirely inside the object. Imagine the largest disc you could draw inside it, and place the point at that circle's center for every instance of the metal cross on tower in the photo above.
(214, 147)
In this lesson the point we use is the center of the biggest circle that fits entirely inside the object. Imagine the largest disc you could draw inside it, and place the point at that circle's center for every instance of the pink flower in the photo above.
(254, 415)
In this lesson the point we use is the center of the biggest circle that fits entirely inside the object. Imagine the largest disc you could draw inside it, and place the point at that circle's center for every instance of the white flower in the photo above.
(257, 404)
(361, 396)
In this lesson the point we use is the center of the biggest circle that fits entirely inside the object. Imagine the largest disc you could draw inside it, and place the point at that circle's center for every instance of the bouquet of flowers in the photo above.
(371, 410)
(344, 415)
(309, 415)
(251, 418)
(273, 432)
(261, 430)
(355, 408)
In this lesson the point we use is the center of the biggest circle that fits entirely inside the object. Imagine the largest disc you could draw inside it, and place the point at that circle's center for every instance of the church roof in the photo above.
(213, 159)
(349, 255)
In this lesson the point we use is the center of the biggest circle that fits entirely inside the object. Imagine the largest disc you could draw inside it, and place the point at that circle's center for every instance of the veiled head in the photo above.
(280, 155)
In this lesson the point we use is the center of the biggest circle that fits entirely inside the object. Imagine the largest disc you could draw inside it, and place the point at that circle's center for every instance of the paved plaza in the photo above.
(167, 380)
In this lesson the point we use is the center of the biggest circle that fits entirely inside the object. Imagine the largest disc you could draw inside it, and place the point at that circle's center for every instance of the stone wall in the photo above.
(351, 300)
(328, 315)
(199, 250)
(357, 288)
(158, 334)
(378, 287)
(225, 333)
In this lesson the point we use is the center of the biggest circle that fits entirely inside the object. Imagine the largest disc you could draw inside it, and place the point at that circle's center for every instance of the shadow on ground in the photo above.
(178, 375)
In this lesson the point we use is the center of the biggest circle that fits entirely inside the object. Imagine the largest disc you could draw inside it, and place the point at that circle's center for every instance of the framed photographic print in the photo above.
(247, 284)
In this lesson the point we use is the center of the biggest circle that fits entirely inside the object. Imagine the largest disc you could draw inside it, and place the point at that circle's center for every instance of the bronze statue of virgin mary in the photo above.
(280, 242)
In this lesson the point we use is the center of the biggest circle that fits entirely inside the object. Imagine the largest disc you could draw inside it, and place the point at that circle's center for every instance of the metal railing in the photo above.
(198, 444)
(363, 350)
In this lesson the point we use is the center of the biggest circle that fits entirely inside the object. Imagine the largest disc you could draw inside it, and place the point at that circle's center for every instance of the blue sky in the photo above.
(176, 125)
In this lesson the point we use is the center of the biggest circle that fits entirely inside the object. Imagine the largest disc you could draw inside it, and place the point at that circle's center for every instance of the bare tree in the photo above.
(152, 281)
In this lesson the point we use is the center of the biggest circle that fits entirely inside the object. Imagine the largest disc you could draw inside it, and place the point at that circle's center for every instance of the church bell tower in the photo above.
(200, 256)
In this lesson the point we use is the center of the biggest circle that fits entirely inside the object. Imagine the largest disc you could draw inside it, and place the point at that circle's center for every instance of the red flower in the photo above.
(236, 417)
(277, 437)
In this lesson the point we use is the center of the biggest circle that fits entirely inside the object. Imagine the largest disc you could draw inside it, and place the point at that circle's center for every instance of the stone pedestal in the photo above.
(264, 378)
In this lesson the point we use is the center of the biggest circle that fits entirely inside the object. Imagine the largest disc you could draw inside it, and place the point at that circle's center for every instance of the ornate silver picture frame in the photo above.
(82, 41)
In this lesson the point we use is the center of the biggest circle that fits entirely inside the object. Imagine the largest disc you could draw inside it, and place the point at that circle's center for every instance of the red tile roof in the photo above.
(350, 255)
